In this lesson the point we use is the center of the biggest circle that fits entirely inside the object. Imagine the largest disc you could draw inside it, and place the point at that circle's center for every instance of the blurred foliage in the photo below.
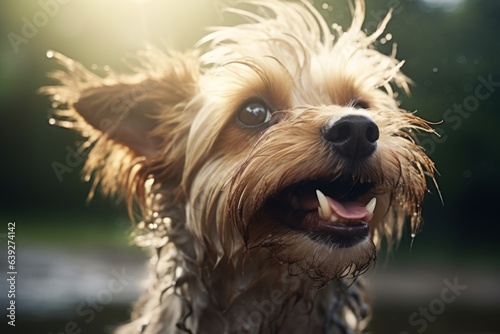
(446, 53)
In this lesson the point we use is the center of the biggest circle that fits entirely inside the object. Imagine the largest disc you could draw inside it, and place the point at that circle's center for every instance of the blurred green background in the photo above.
(66, 248)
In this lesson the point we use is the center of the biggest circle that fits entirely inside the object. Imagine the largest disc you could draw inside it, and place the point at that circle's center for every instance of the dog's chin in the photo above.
(318, 259)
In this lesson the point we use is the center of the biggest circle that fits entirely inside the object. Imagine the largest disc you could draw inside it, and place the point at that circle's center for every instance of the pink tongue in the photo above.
(350, 210)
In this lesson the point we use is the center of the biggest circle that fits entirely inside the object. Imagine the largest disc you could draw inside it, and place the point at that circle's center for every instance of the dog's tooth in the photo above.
(334, 218)
(370, 207)
(324, 209)
(320, 213)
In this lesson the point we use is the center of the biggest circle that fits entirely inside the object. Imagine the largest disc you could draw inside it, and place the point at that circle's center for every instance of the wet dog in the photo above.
(266, 167)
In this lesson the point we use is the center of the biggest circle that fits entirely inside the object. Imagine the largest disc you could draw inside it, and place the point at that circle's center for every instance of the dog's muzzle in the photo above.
(335, 209)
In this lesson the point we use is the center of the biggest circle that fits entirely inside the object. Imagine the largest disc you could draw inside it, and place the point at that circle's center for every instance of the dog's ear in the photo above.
(133, 124)
(123, 113)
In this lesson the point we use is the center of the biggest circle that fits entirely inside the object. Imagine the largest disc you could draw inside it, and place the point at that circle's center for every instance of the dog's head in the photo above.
(279, 135)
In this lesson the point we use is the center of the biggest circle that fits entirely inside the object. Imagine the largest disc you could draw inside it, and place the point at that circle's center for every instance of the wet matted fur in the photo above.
(212, 150)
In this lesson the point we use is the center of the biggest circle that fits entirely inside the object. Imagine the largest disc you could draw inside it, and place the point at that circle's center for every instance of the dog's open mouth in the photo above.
(333, 213)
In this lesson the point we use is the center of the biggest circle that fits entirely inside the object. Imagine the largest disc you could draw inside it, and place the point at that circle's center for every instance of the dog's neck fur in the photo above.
(189, 287)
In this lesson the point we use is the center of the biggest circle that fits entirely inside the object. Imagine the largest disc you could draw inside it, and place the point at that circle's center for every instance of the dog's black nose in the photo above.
(354, 136)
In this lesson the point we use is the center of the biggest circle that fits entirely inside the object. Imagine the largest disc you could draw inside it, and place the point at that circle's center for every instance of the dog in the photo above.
(264, 169)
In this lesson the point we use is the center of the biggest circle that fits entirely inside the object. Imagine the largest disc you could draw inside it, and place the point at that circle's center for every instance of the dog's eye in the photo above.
(360, 105)
(254, 114)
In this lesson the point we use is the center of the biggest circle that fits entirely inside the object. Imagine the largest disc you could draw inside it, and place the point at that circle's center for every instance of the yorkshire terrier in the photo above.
(266, 168)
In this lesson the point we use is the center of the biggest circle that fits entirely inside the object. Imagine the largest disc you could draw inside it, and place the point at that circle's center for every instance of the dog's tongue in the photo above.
(350, 210)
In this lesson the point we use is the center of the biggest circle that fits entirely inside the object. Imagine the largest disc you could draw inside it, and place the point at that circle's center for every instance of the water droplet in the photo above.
(324, 5)
(435, 70)
(106, 68)
(93, 67)
(413, 235)
(52, 121)
(383, 40)
(50, 54)
(388, 37)
(336, 27)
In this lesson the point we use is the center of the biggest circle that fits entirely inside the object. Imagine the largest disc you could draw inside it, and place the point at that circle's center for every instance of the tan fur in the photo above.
(166, 140)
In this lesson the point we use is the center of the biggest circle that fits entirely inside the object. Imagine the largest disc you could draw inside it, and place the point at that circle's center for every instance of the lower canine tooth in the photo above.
(334, 219)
